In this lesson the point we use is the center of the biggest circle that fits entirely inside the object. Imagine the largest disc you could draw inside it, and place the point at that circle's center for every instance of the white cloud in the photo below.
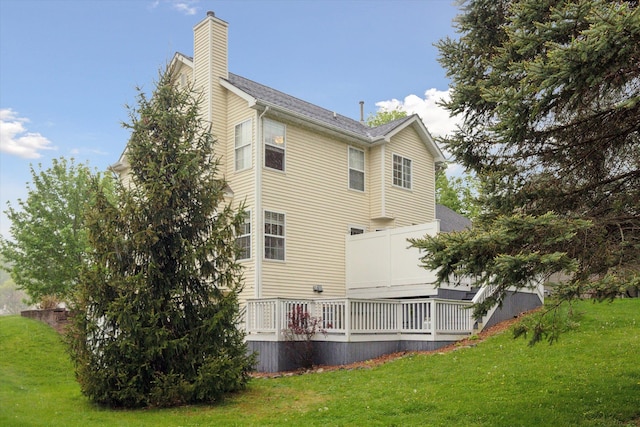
(84, 150)
(188, 7)
(16, 140)
(185, 6)
(435, 117)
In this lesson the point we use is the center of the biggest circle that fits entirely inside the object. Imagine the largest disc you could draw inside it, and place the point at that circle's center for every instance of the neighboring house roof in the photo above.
(451, 220)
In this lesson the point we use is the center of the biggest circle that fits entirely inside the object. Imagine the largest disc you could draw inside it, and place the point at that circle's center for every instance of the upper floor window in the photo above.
(274, 144)
(243, 241)
(401, 171)
(274, 235)
(356, 169)
(243, 145)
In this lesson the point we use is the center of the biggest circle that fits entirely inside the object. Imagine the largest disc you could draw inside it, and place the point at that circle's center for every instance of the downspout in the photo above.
(259, 228)
(383, 201)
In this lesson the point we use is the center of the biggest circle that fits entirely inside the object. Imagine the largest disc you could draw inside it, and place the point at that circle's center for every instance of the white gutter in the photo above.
(366, 139)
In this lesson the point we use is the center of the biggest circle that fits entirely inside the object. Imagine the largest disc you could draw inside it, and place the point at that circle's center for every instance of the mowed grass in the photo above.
(591, 377)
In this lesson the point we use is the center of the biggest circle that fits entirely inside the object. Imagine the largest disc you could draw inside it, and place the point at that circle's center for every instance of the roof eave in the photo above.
(297, 117)
(237, 91)
(118, 167)
(418, 125)
(180, 58)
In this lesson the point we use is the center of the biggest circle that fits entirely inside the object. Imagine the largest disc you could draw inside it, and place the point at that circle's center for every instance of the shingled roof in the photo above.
(266, 96)
(451, 220)
(279, 99)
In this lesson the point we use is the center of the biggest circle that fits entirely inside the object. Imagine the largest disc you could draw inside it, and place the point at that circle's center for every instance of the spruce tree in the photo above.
(550, 96)
(156, 312)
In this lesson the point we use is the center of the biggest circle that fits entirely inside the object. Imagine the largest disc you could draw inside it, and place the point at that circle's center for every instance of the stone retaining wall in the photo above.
(57, 318)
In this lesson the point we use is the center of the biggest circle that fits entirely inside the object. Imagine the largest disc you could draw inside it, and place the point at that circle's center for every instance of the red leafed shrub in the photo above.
(301, 328)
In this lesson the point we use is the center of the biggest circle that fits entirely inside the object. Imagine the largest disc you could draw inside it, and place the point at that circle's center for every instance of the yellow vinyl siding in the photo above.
(242, 183)
(181, 70)
(314, 194)
(237, 113)
(417, 205)
(375, 181)
(249, 270)
(219, 108)
(210, 63)
(123, 170)
(202, 77)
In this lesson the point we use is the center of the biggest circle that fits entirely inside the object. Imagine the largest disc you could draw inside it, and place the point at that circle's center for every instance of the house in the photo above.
(326, 197)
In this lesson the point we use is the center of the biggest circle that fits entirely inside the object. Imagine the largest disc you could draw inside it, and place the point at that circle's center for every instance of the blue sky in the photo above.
(68, 67)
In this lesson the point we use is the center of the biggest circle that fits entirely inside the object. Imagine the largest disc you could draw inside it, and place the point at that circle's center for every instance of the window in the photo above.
(274, 235)
(243, 145)
(401, 171)
(356, 169)
(274, 144)
(244, 237)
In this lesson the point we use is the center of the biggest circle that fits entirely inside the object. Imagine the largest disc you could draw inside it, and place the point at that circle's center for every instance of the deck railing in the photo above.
(345, 318)
(536, 286)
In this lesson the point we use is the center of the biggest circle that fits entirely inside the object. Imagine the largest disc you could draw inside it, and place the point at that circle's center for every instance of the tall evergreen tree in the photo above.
(157, 309)
(550, 96)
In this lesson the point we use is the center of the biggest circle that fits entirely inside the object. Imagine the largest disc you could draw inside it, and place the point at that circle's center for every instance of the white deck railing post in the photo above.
(434, 316)
(472, 321)
(399, 317)
(315, 312)
(278, 322)
(347, 319)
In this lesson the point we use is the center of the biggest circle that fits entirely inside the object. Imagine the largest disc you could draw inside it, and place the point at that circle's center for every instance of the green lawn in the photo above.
(591, 377)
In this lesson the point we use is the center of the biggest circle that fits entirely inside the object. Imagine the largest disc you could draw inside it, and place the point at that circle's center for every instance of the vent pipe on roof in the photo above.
(361, 111)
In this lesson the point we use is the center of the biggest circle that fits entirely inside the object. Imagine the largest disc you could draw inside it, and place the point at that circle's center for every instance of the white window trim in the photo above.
(250, 235)
(410, 188)
(284, 147)
(364, 167)
(265, 235)
(235, 148)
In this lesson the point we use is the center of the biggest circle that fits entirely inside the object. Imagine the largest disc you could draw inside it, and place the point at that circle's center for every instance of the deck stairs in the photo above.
(481, 295)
